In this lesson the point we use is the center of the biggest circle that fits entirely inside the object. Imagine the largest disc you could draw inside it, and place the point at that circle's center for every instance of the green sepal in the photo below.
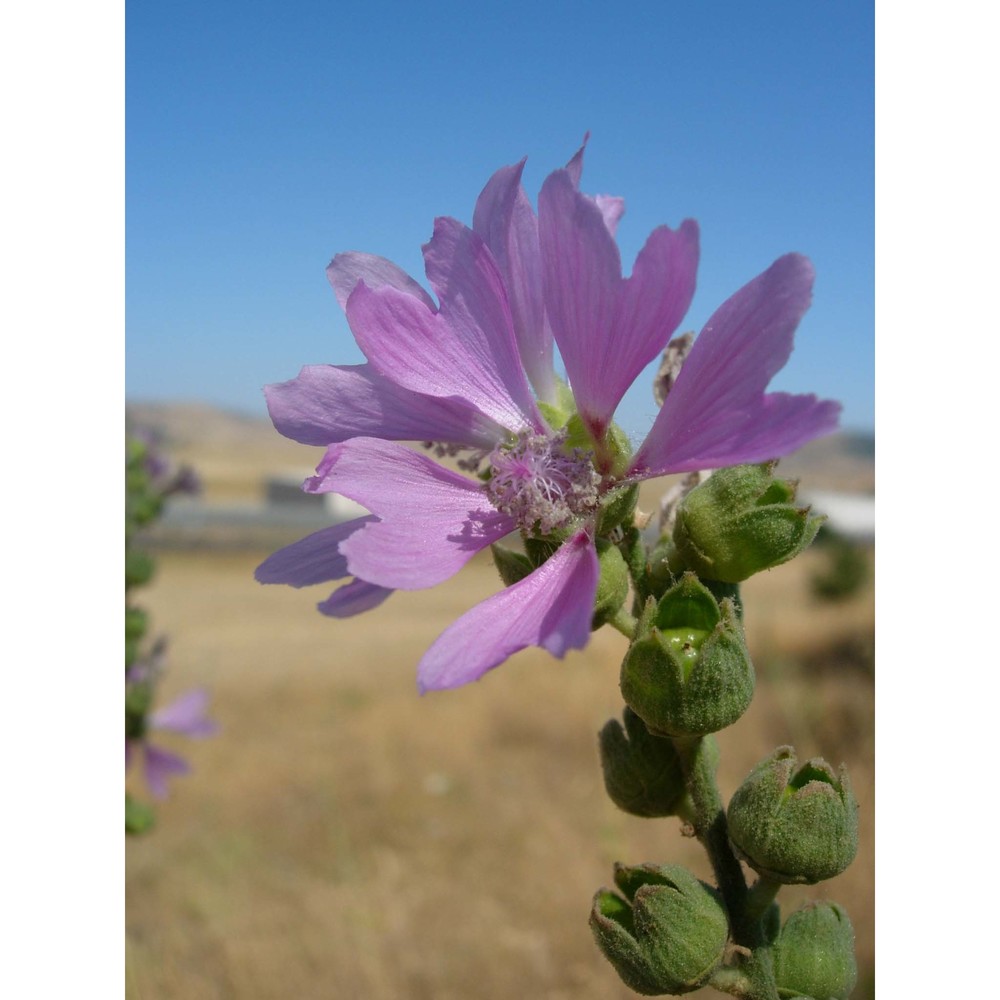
(667, 935)
(814, 954)
(577, 435)
(540, 550)
(794, 824)
(618, 508)
(555, 417)
(642, 772)
(688, 604)
(688, 671)
(512, 566)
(613, 453)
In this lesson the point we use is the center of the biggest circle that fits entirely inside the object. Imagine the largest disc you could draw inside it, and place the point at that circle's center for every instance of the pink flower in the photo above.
(187, 715)
(474, 375)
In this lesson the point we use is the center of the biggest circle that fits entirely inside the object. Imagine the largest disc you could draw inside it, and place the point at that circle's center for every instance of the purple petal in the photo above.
(608, 329)
(474, 301)
(326, 403)
(611, 206)
(431, 521)
(353, 599)
(551, 608)
(582, 274)
(186, 714)
(506, 222)
(612, 209)
(419, 350)
(160, 765)
(347, 269)
(575, 166)
(717, 413)
(313, 559)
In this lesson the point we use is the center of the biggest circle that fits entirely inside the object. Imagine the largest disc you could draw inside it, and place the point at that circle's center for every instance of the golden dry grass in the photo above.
(344, 837)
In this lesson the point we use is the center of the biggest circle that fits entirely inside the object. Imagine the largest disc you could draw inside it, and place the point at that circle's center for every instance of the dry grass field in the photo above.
(344, 837)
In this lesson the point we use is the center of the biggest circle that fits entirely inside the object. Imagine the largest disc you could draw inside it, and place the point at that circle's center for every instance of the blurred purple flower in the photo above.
(186, 715)
(165, 477)
(464, 375)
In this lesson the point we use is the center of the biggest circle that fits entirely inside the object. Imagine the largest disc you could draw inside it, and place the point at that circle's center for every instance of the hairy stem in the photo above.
(756, 972)
(624, 623)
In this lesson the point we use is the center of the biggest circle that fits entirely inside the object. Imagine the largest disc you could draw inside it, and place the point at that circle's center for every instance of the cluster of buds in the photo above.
(686, 675)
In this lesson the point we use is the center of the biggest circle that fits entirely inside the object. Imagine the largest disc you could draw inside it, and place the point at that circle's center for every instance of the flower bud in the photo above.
(642, 772)
(794, 824)
(688, 672)
(668, 933)
(612, 584)
(814, 955)
(740, 521)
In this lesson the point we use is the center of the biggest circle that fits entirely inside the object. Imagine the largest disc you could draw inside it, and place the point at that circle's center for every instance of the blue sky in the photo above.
(262, 138)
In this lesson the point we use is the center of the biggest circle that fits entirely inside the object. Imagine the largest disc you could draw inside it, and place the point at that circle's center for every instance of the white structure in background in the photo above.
(283, 492)
(849, 514)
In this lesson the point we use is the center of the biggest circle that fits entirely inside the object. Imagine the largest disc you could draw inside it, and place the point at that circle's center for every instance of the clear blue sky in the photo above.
(264, 137)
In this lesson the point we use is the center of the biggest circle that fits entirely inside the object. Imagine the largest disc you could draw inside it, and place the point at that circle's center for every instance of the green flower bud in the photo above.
(668, 933)
(642, 772)
(740, 521)
(688, 672)
(612, 584)
(814, 955)
(794, 824)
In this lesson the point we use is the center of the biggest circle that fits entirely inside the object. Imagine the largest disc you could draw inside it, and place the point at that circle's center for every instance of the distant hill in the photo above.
(234, 452)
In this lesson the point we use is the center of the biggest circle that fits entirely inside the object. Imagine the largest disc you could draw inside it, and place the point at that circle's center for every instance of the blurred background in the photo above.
(341, 835)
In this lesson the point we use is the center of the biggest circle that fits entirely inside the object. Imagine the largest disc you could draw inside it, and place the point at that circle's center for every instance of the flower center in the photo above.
(541, 484)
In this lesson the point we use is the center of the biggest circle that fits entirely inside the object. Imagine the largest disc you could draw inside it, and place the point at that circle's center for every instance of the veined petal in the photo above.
(160, 765)
(313, 559)
(474, 301)
(612, 207)
(187, 714)
(325, 404)
(419, 350)
(552, 607)
(608, 329)
(582, 273)
(506, 222)
(347, 269)
(353, 599)
(717, 412)
(431, 521)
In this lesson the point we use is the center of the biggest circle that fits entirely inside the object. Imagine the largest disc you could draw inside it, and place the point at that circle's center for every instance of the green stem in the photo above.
(699, 758)
(624, 623)
(760, 896)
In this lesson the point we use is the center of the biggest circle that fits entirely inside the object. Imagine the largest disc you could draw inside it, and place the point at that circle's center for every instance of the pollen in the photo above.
(542, 484)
